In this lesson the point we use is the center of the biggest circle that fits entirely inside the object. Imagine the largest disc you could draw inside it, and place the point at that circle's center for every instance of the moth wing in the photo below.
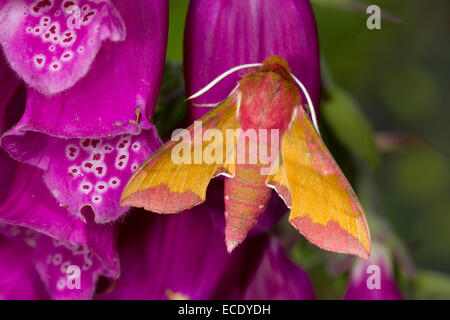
(324, 207)
(164, 186)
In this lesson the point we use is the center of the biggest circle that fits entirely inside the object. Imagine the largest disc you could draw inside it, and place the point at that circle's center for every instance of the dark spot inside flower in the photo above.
(86, 187)
(99, 170)
(41, 4)
(122, 157)
(86, 17)
(39, 60)
(68, 4)
(95, 142)
(114, 182)
(88, 165)
(85, 143)
(120, 163)
(97, 156)
(53, 29)
(101, 187)
(121, 145)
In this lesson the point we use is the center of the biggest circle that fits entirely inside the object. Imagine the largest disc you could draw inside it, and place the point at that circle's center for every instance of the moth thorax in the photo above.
(268, 101)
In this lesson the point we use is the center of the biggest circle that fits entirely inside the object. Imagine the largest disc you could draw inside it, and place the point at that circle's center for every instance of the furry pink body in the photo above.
(268, 100)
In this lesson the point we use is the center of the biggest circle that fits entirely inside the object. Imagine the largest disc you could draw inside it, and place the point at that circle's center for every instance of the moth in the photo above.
(324, 207)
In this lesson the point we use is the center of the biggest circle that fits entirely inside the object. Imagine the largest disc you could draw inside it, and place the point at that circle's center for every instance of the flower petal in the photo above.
(9, 85)
(18, 277)
(29, 204)
(119, 92)
(278, 278)
(184, 257)
(373, 279)
(226, 33)
(51, 44)
(84, 172)
(174, 258)
(53, 261)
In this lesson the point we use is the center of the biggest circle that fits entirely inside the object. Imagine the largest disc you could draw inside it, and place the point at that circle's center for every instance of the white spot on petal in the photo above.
(121, 160)
(101, 187)
(67, 56)
(107, 148)
(37, 30)
(39, 61)
(72, 152)
(97, 199)
(64, 266)
(136, 146)
(61, 284)
(87, 166)
(57, 259)
(114, 182)
(74, 171)
(55, 66)
(86, 265)
(45, 21)
(99, 170)
(68, 38)
(85, 187)
(134, 166)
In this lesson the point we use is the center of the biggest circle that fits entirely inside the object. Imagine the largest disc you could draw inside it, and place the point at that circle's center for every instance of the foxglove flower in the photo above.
(373, 279)
(175, 262)
(49, 238)
(93, 69)
(19, 279)
(39, 238)
(223, 34)
(90, 94)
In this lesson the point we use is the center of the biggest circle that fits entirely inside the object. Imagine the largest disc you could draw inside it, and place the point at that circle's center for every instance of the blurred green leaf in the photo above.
(170, 109)
(410, 92)
(432, 285)
(314, 262)
(349, 125)
(177, 18)
(334, 4)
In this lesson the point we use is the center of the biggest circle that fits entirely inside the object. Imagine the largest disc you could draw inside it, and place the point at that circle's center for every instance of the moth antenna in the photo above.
(205, 105)
(310, 104)
(213, 105)
(222, 76)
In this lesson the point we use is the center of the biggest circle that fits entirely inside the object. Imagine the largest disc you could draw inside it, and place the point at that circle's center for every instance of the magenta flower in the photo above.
(86, 123)
(373, 279)
(184, 257)
(92, 85)
(223, 34)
